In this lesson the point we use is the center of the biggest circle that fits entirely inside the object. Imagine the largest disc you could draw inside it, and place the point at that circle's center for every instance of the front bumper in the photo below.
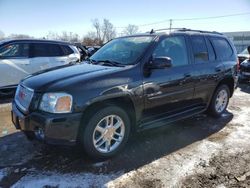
(61, 129)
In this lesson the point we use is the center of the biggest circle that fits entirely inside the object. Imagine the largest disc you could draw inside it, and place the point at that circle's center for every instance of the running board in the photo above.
(171, 118)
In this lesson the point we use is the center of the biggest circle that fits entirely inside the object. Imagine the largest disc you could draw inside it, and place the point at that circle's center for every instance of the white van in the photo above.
(21, 57)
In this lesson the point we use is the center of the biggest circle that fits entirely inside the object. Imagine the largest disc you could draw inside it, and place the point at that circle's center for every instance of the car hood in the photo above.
(43, 80)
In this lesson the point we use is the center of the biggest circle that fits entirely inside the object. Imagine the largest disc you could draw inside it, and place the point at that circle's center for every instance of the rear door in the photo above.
(57, 56)
(14, 63)
(39, 58)
(208, 69)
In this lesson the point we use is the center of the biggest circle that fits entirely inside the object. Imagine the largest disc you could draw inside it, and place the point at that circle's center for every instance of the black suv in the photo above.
(132, 83)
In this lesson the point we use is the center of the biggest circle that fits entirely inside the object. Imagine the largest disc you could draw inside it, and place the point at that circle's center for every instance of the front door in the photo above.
(14, 63)
(169, 90)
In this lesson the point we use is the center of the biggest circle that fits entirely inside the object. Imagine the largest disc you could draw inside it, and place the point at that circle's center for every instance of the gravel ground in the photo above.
(196, 152)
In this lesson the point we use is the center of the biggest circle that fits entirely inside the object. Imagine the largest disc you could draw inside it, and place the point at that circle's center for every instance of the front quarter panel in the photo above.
(124, 83)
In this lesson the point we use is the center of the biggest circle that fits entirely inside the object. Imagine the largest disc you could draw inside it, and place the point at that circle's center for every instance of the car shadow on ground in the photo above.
(245, 87)
(142, 148)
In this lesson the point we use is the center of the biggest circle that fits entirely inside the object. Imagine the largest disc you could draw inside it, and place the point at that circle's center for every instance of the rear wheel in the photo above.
(106, 132)
(219, 101)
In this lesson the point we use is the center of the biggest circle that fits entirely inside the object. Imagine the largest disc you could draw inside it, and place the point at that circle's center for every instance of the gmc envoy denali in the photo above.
(132, 83)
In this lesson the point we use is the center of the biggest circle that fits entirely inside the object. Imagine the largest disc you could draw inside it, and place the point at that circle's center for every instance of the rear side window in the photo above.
(14, 50)
(199, 49)
(67, 50)
(55, 50)
(222, 48)
(46, 50)
(211, 53)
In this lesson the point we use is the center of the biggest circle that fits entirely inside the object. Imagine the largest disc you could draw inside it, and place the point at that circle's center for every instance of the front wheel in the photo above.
(219, 102)
(106, 132)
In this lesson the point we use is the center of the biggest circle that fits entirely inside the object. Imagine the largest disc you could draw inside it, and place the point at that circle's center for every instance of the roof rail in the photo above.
(184, 30)
(165, 29)
(200, 31)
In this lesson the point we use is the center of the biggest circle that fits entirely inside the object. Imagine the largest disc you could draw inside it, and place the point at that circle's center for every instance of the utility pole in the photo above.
(170, 24)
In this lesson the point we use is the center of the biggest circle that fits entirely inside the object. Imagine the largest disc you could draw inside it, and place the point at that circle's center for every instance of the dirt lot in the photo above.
(197, 152)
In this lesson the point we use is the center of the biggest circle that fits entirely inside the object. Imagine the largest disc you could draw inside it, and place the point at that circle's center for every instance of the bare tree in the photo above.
(103, 31)
(97, 26)
(52, 35)
(131, 30)
(19, 36)
(91, 39)
(1, 35)
(108, 30)
(65, 36)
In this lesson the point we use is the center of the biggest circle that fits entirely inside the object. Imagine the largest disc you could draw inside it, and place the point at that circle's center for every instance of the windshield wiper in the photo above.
(109, 63)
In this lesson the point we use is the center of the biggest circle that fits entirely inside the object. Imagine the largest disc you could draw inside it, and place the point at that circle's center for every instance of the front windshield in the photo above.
(124, 51)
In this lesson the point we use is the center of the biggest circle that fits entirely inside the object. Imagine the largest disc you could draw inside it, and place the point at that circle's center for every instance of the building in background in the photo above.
(240, 39)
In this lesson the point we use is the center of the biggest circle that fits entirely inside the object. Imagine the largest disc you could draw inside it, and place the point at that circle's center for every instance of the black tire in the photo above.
(29, 135)
(212, 107)
(86, 135)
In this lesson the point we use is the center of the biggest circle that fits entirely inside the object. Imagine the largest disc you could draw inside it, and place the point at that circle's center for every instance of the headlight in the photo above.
(56, 103)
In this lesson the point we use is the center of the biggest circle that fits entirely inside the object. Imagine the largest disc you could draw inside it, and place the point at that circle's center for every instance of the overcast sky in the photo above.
(38, 17)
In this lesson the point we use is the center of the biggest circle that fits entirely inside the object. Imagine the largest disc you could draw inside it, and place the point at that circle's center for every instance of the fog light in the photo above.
(39, 132)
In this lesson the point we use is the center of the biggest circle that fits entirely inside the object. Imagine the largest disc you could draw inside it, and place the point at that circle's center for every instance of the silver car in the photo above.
(19, 58)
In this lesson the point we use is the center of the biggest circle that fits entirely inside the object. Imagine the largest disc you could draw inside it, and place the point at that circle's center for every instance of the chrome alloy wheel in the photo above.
(221, 101)
(108, 133)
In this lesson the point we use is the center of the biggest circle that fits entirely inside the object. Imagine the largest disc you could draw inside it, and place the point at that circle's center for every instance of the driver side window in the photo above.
(173, 47)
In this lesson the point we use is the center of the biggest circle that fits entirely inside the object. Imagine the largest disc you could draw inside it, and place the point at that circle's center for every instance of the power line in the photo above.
(190, 19)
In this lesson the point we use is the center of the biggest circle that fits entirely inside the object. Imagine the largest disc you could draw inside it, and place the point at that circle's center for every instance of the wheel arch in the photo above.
(229, 81)
(123, 101)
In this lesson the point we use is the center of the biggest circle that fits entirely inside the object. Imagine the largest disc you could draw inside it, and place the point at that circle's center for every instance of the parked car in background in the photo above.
(132, 83)
(21, 57)
(83, 50)
(92, 50)
(243, 56)
(244, 63)
(245, 70)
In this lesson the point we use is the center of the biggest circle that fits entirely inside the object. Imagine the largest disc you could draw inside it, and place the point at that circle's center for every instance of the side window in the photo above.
(14, 50)
(173, 47)
(210, 50)
(67, 50)
(55, 50)
(222, 48)
(46, 50)
(40, 50)
(199, 49)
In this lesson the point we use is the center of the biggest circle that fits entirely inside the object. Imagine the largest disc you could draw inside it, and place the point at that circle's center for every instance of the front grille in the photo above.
(23, 97)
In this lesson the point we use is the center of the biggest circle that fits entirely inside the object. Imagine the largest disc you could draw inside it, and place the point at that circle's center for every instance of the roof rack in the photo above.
(183, 30)
(165, 29)
(200, 31)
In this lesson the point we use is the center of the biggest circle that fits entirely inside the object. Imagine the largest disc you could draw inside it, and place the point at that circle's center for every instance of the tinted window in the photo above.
(222, 48)
(211, 53)
(67, 50)
(46, 50)
(199, 49)
(15, 50)
(173, 47)
(55, 50)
